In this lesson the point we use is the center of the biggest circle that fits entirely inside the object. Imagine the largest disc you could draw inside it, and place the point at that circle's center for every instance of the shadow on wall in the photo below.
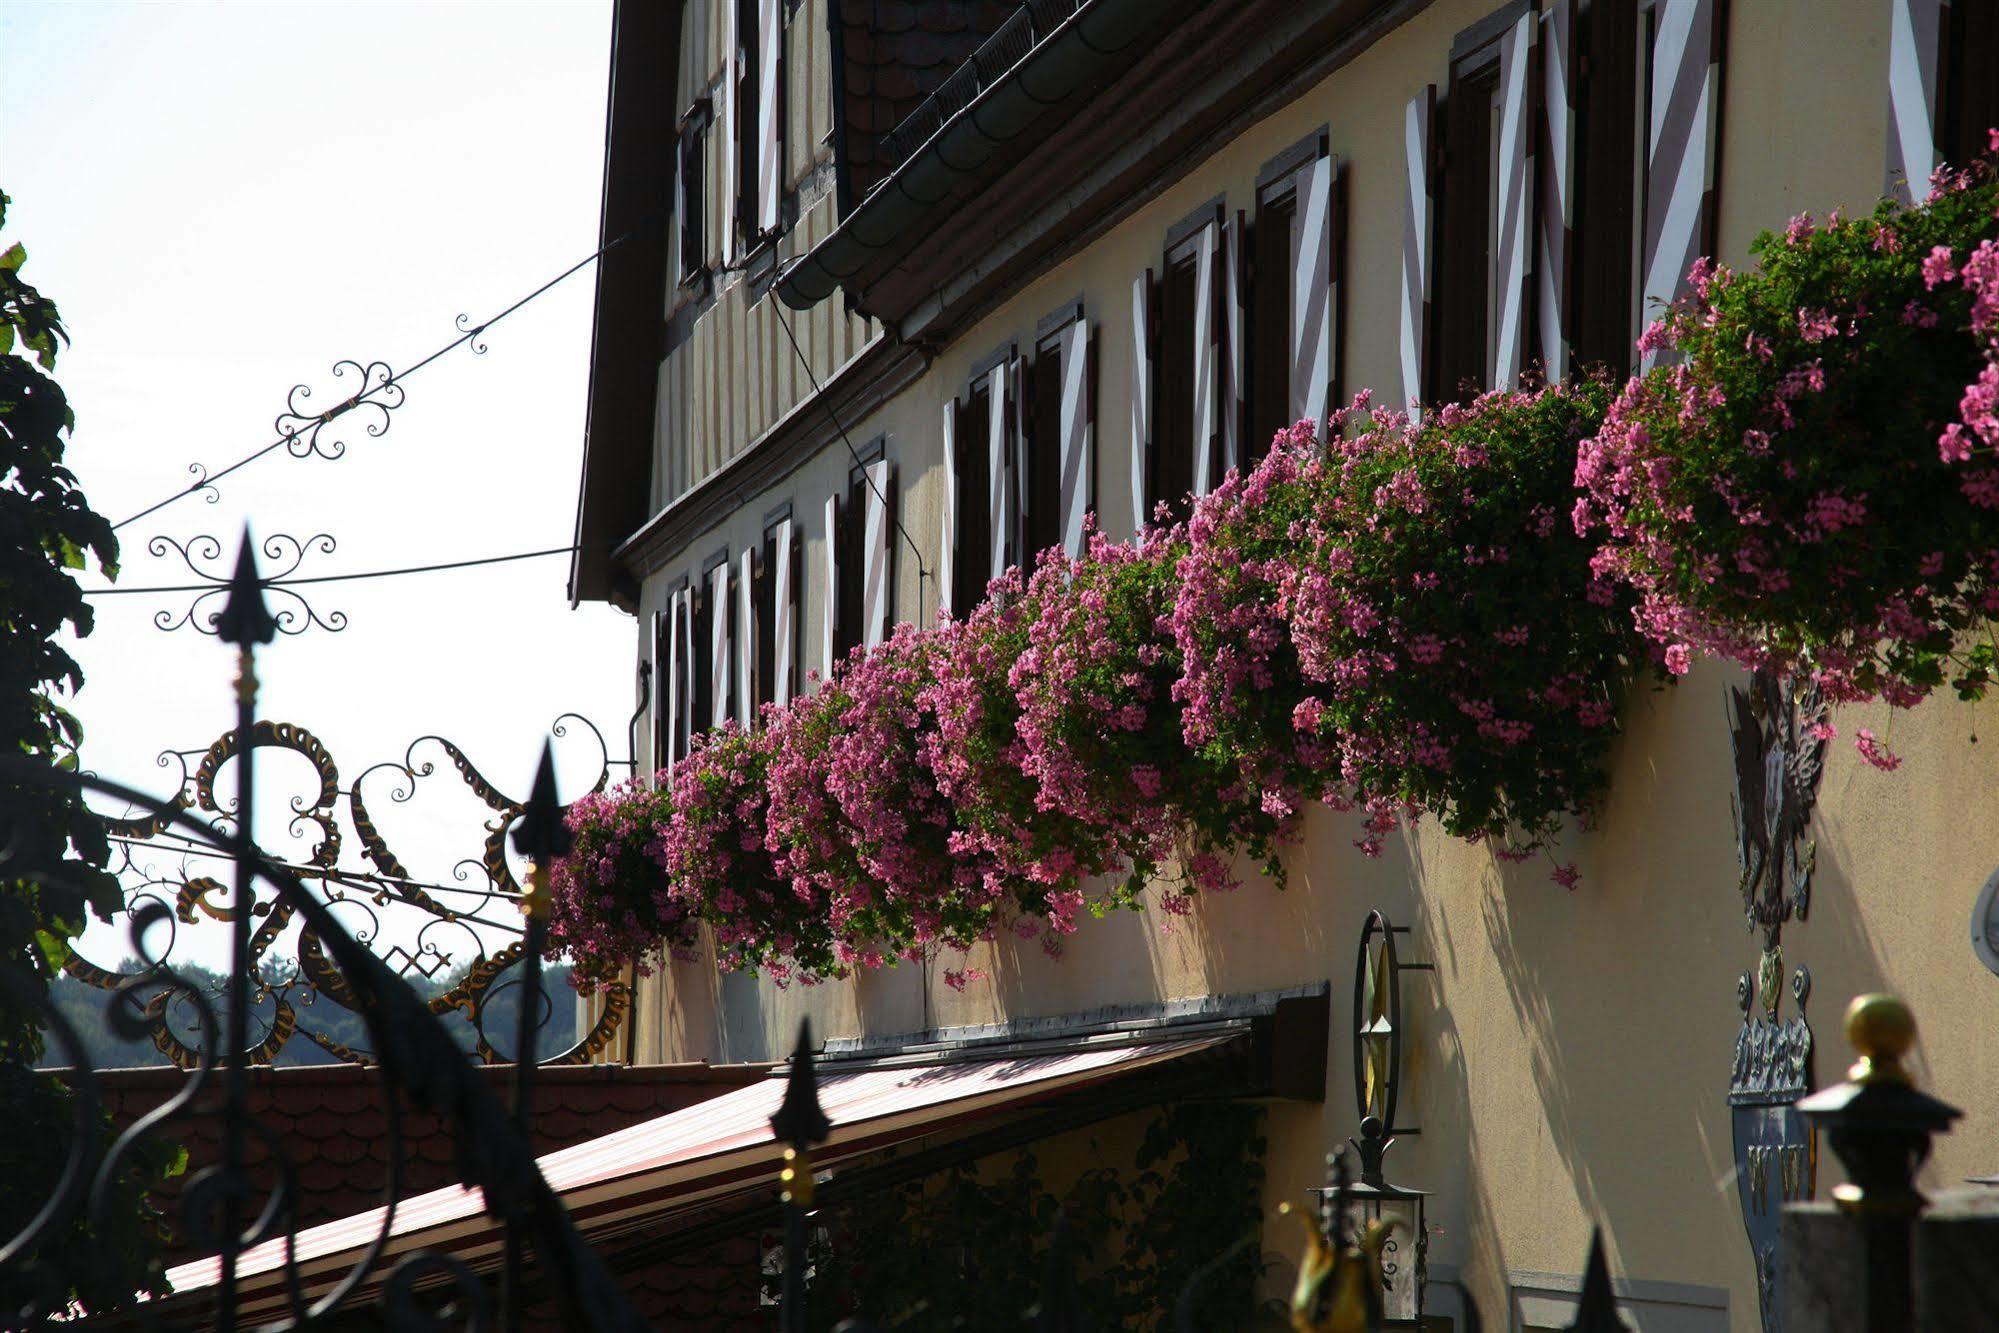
(1623, 996)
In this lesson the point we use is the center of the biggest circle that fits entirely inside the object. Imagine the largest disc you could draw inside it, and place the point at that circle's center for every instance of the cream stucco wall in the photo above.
(1571, 1051)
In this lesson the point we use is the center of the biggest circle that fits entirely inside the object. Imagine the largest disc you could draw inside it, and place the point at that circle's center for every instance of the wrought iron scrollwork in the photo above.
(467, 931)
(416, 1059)
(373, 394)
(293, 613)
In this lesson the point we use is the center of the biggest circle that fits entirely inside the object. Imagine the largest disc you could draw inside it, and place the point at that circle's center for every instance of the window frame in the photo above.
(690, 192)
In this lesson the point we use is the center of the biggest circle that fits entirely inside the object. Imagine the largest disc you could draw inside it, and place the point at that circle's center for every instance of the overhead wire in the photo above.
(218, 584)
(818, 391)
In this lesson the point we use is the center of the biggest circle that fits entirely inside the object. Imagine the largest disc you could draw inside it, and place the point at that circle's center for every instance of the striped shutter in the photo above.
(784, 600)
(1511, 253)
(1915, 48)
(1078, 446)
(1235, 291)
(1557, 167)
(829, 636)
(1141, 394)
(746, 635)
(999, 487)
(1016, 462)
(720, 645)
(947, 551)
(770, 128)
(1312, 293)
(875, 588)
(1681, 148)
(1417, 120)
(1207, 362)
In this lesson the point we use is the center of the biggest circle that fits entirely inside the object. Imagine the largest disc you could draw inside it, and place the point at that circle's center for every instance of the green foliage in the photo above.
(970, 1243)
(58, 849)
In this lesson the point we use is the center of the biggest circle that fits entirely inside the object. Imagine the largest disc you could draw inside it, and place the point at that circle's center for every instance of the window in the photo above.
(1186, 455)
(984, 499)
(1482, 195)
(1609, 133)
(777, 611)
(1968, 97)
(672, 676)
(691, 200)
(1293, 293)
(865, 592)
(1057, 458)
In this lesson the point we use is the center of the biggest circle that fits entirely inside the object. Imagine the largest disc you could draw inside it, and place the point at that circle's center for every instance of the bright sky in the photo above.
(226, 199)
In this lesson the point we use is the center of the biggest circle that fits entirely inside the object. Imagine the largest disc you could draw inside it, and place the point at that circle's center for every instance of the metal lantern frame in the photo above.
(1373, 1195)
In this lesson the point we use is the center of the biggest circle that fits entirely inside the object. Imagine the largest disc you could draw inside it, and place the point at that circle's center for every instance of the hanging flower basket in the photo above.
(1812, 485)
(611, 901)
(856, 820)
(715, 854)
(1404, 621)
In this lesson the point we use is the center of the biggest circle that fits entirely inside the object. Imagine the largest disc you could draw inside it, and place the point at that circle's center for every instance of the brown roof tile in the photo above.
(896, 53)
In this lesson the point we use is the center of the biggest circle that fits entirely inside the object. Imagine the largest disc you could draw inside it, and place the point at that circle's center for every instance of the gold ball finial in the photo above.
(1881, 1028)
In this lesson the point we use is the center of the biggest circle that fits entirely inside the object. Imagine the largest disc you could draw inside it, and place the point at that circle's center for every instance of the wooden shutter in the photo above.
(1078, 431)
(947, 548)
(746, 639)
(876, 592)
(1312, 326)
(784, 618)
(1207, 359)
(999, 484)
(1682, 145)
(1235, 290)
(1915, 45)
(1557, 165)
(770, 122)
(1141, 397)
(721, 645)
(1514, 215)
(830, 593)
(1417, 121)
(1016, 462)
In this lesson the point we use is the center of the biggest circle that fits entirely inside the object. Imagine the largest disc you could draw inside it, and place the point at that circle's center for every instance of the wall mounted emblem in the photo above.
(1778, 734)
(1985, 924)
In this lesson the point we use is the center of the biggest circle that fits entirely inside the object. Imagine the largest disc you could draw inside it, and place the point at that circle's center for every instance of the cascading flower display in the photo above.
(1465, 660)
(856, 819)
(1242, 685)
(611, 900)
(1032, 853)
(714, 849)
(1812, 483)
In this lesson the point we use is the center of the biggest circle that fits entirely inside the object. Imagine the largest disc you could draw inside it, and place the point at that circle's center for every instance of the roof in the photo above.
(333, 1121)
(693, 1158)
(615, 490)
(893, 55)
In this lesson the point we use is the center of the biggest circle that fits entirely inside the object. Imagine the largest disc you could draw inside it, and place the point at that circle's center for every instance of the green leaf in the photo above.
(6, 339)
(12, 259)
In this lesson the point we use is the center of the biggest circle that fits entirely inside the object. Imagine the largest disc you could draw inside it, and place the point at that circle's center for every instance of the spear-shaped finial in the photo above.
(542, 835)
(244, 619)
(798, 1121)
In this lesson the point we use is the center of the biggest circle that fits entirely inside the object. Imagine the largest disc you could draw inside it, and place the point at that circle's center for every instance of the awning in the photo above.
(698, 1156)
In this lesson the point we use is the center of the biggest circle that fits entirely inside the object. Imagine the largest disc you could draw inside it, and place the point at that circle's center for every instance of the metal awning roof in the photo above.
(697, 1156)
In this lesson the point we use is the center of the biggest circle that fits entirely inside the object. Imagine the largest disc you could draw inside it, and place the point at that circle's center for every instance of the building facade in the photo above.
(901, 292)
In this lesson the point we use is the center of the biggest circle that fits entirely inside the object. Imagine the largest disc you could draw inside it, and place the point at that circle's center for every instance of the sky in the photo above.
(225, 200)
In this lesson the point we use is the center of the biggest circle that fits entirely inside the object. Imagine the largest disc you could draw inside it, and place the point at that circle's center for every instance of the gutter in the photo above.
(1075, 55)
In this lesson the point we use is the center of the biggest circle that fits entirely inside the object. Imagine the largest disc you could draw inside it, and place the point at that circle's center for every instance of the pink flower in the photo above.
(1679, 658)
(1937, 268)
(1874, 752)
